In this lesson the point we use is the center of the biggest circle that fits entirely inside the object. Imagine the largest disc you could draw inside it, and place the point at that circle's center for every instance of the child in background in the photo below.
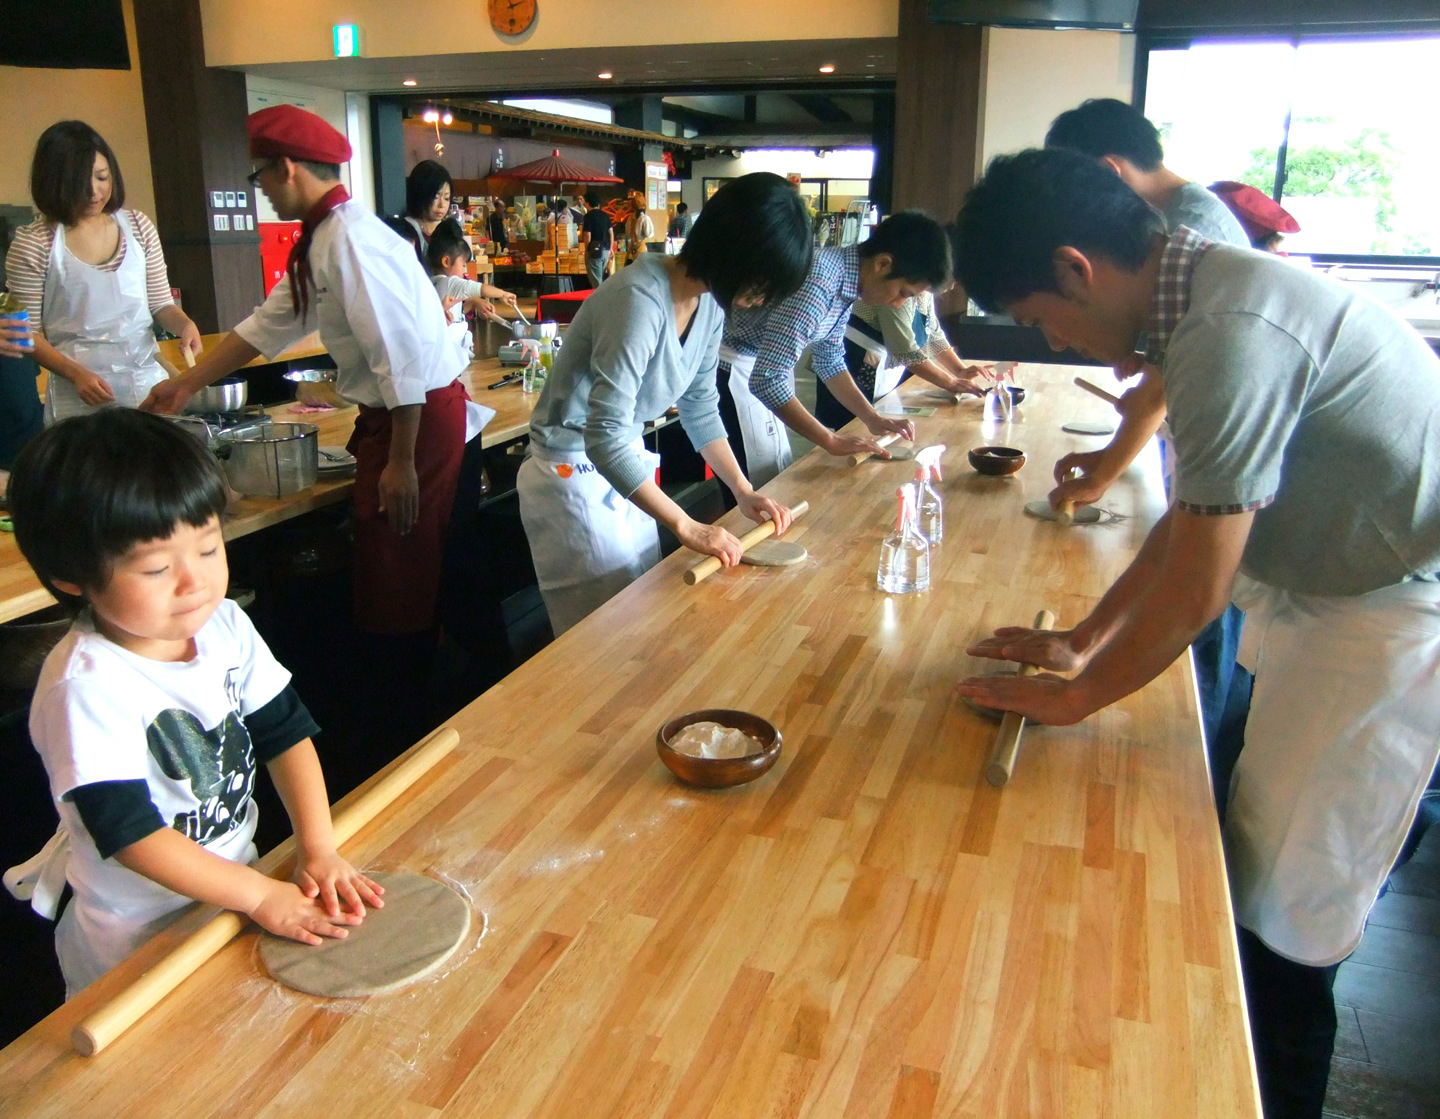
(151, 713)
(446, 257)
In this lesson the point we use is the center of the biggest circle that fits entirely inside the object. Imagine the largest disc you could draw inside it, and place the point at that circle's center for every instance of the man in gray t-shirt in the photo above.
(1306, 429)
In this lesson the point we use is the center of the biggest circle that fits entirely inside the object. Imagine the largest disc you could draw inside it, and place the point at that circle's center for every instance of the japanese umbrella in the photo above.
(556, 171)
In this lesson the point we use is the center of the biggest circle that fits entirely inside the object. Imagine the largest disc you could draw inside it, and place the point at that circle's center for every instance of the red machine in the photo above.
(276, 239)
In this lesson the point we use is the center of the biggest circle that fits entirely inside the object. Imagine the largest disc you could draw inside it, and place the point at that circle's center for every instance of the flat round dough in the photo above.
(421, 926)
(1081, 427)
(1084, 514)
(899, 454)
(774, 553)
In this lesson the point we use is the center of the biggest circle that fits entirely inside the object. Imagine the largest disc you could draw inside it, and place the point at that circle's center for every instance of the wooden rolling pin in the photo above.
(1007, 742)
(1065, 515)
(860, 456)
(100, 1028)
(188, 356)
(711, 564)
(1109, 398)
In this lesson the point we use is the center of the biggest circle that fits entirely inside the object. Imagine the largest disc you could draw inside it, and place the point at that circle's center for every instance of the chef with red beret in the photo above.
(362, 287)
(1263, 219)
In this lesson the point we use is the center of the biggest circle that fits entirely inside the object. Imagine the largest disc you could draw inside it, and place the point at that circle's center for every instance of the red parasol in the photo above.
(556, 170)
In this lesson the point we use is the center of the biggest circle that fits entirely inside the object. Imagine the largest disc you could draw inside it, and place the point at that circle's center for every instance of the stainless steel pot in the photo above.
(276, 462)
(225, 395)
(535, 329)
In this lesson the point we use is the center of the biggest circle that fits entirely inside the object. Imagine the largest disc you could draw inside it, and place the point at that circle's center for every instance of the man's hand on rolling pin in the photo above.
(400, 495)
(1085, 489)
(1051, 700)
(1053, 649)
(842, 445)
(284, 910)
(897, 425)
(337, 885)
(760, 509)
(710, 540)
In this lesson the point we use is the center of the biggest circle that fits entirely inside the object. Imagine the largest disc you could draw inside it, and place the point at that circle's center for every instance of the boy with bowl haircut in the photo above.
(151, 713)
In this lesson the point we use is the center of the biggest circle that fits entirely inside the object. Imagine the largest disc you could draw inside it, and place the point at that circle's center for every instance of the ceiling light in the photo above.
(828, 68)
(410, 82)
(430, 116)
(604, 75)
(447, 117)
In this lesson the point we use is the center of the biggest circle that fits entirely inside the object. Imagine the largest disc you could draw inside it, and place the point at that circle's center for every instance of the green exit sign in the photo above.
(347, 40)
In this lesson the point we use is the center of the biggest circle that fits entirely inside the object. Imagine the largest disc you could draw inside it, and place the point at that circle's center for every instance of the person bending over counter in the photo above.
(1306, 427)
(646, 340)
(908, 253)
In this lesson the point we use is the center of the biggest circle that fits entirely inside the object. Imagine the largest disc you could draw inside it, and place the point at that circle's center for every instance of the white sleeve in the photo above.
(87, 731)
(380, 309)
(274, 325)
(262, 677)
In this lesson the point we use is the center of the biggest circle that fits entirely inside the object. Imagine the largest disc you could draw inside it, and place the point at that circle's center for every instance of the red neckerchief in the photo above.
(298, 266)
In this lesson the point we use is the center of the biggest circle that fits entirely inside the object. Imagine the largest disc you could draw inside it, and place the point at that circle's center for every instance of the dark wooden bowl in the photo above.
(1017, 394)
(719, 773)
(997, 460)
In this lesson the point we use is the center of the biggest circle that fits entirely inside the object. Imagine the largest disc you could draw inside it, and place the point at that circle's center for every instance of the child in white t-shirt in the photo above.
(152, 712)
(446, 257)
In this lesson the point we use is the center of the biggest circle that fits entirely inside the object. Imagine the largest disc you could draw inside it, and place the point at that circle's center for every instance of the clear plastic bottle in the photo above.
(930, 509)
(533, 379)
(905, 554)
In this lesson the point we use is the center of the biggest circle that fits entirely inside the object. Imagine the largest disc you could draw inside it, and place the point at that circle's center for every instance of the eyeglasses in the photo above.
(254, 177)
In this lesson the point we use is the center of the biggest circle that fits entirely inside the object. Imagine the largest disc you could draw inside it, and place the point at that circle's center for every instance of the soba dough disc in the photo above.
(774, 553)
(1084, 514)
(421, 926)
(1080, 427)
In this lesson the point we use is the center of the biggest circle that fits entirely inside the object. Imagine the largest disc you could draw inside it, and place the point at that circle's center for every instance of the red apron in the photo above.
(397, 578)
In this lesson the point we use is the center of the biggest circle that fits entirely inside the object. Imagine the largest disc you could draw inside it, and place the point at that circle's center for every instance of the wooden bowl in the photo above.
(997, 460)
(719, 773)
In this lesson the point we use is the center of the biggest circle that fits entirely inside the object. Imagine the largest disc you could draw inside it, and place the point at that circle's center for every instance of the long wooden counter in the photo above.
(868, 930)
(21, 592)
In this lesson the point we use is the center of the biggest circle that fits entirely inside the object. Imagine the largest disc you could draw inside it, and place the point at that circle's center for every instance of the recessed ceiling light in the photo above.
(828, 68)
(410, 82)
(604, 75)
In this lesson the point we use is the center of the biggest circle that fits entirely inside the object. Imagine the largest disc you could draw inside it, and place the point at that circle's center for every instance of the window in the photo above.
(1344, 130)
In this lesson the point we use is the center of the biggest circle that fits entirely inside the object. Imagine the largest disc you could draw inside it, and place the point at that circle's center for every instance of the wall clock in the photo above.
(512, 17)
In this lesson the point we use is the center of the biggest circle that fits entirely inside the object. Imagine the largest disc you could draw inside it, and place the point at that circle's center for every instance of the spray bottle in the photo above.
(905, 554)
(930, 509)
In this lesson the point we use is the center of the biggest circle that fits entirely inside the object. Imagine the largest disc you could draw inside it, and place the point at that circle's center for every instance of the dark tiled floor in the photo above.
(1387, 1060)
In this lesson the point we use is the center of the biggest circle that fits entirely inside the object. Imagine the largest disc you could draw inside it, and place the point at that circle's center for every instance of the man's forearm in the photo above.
(799, 420)
(404, 432)
(843, 388)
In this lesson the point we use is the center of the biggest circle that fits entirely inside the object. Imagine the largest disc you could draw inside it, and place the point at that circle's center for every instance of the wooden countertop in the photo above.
(21, 592)
(868, 930)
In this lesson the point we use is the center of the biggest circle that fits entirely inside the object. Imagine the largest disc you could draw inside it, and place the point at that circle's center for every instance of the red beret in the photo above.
(1258, 213)
(286, 130)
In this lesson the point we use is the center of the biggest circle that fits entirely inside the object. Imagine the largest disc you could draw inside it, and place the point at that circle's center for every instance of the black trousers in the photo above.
(1292, 1022)
(731, 419)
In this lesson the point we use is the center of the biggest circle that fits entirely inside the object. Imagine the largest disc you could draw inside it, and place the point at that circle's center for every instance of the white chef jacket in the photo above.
(375, 309)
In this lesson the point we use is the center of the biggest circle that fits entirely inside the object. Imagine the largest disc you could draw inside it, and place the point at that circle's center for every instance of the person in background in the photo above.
(884, 345)
(21, 414)
(1125, 142)
(682, 221)
(446, 259)
(495, 224)
(560, 210)
(577, 211)
(645, 341)
(92, 275)
(1264, 220)
(907, 253)
(151, 713)
(1270, 372)
(639, 228)
(597, 234)
(376, 311)
(429, 191)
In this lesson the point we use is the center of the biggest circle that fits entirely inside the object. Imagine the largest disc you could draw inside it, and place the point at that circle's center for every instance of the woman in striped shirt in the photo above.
(92, 276)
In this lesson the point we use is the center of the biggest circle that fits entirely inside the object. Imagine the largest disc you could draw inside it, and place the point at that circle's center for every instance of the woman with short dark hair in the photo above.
(92, 275)
(429, 192)
(647, 339)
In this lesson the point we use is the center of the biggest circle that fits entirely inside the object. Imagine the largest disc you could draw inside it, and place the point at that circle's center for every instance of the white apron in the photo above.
(767, 445)
(1342, 735)
(887, 374)
(102, 321)
(588, 541)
